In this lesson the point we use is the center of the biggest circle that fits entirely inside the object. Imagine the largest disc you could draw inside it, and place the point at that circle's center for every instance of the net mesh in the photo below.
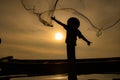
(45, 9)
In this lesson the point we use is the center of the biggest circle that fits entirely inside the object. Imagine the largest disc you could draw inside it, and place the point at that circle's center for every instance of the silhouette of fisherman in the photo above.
(72, 34)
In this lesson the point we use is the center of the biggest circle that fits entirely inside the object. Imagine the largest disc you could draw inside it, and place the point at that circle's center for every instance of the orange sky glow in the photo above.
(23, 36)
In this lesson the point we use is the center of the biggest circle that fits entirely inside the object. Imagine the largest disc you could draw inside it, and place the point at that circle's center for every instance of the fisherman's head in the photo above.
(73, 22)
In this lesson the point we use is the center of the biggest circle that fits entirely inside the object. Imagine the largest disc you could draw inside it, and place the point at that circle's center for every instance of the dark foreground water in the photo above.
(80, 77)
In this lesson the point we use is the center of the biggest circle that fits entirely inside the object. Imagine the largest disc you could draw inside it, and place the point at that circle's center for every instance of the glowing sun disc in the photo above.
(58, 36)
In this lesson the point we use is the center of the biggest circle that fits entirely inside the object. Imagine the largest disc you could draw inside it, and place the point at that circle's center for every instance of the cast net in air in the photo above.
(45, 9)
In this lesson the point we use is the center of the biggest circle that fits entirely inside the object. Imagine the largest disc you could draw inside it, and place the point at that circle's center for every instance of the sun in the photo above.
(58, 36)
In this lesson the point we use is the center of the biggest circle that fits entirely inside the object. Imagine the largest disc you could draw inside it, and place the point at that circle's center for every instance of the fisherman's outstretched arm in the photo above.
(80, 35)
(62, 24)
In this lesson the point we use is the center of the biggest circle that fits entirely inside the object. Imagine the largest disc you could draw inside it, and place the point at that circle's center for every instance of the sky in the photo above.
(25, 37)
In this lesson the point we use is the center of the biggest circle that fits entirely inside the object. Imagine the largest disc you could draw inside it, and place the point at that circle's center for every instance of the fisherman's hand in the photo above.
(53, 18)
(89, 43)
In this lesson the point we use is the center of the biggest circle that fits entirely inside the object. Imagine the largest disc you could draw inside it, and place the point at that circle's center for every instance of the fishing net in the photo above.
(45, 9)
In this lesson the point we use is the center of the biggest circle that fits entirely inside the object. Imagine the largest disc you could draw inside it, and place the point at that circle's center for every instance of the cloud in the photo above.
(25, 37)
(103, 12)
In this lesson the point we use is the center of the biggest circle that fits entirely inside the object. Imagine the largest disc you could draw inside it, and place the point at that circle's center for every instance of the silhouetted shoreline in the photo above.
(26, 68)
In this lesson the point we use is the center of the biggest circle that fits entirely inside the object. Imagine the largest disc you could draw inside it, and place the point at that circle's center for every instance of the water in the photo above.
(80, 77)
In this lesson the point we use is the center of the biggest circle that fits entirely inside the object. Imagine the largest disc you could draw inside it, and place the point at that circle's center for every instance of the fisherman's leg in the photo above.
(71, 53)
(72, 77)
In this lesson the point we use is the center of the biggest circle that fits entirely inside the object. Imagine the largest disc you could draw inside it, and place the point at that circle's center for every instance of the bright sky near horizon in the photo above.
(23, 36)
